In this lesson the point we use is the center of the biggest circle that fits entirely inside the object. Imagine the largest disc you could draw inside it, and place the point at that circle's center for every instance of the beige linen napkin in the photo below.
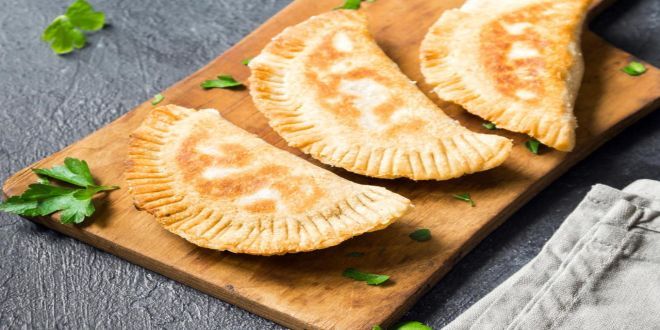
(601, 270)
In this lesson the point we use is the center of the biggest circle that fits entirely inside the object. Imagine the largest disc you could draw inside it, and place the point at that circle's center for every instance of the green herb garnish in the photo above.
(376, 327)
(353, 4)
(223, 81)
(466, 198)
(44, 198)
(533, 146)
(489, 125)
(371, 279)
(413, 325)
(421, 235)
(246, 61)
(355, 254)
(65, 32)
(634, 68)
(157, 99)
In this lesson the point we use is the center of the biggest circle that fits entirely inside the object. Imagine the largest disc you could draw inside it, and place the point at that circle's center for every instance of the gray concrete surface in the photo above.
(48, 280)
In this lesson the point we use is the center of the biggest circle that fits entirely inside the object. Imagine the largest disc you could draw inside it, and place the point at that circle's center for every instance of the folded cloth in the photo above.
(601, 270)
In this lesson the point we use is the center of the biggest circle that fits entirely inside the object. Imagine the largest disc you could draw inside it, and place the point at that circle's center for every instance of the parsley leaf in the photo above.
(74, 171)
(223, 81)
(376, 327)
(489, 125)
(634, 68)
(353, 4)
(38, 191)
(533, 146)
(350, 4)
(43, 198)
(413, 325)
(371, 279)
(157, 99)
(421, 235)
(39, 199)
(466, 198)
(84, 17)
(74, 209)
(246, 61)
(64, 34)
(17, 205)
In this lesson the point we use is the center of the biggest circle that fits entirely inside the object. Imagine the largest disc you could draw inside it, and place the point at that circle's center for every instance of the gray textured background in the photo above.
(48, 280)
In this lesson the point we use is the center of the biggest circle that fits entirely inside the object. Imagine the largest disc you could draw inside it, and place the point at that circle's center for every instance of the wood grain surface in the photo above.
(307, 290)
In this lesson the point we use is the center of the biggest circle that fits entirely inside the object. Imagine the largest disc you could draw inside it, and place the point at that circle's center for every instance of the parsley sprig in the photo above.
(420, 235)
(413, 325)
(65, 32)
(410, 325)
(353, 4)
(489, 125)
(533, 146)
(223, 81)
(634, 68)
(371, 279)
(44, 198)
(466, 198)
(157, 99)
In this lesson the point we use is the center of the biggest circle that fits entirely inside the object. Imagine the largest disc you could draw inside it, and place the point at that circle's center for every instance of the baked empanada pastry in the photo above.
(329, 90)
(516, 63)
(220, 187)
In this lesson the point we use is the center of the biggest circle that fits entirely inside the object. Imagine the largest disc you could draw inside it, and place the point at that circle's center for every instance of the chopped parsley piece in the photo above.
(157, 99)
(43, 198)
(533, 146)
(413, 325)
(246, 61)
(371, 279)
(489, 125)
(376, 327)
(223, 81)
(634, 68)
(65, 32)
(466, 198)
(353, 4)
(421, 235)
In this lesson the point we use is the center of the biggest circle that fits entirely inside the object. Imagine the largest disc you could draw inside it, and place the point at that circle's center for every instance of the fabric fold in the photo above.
(598, 251)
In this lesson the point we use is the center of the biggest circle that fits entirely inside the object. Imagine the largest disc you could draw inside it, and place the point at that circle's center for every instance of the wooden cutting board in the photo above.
(307, 290)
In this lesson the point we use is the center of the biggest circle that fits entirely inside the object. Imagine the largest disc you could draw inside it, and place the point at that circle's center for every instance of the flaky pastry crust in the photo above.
(516, 63)
(223, 188)
(329, 90)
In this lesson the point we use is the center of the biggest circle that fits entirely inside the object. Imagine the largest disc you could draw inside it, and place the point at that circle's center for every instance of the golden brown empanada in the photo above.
(328, 89)
(220, 187)
(516, 63)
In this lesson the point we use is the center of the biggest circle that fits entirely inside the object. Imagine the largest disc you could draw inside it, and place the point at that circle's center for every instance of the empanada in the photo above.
(329, 90)
(516, 63)
(220, 187)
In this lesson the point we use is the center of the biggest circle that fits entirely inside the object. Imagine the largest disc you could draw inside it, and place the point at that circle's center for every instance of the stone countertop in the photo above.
(47, 102)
